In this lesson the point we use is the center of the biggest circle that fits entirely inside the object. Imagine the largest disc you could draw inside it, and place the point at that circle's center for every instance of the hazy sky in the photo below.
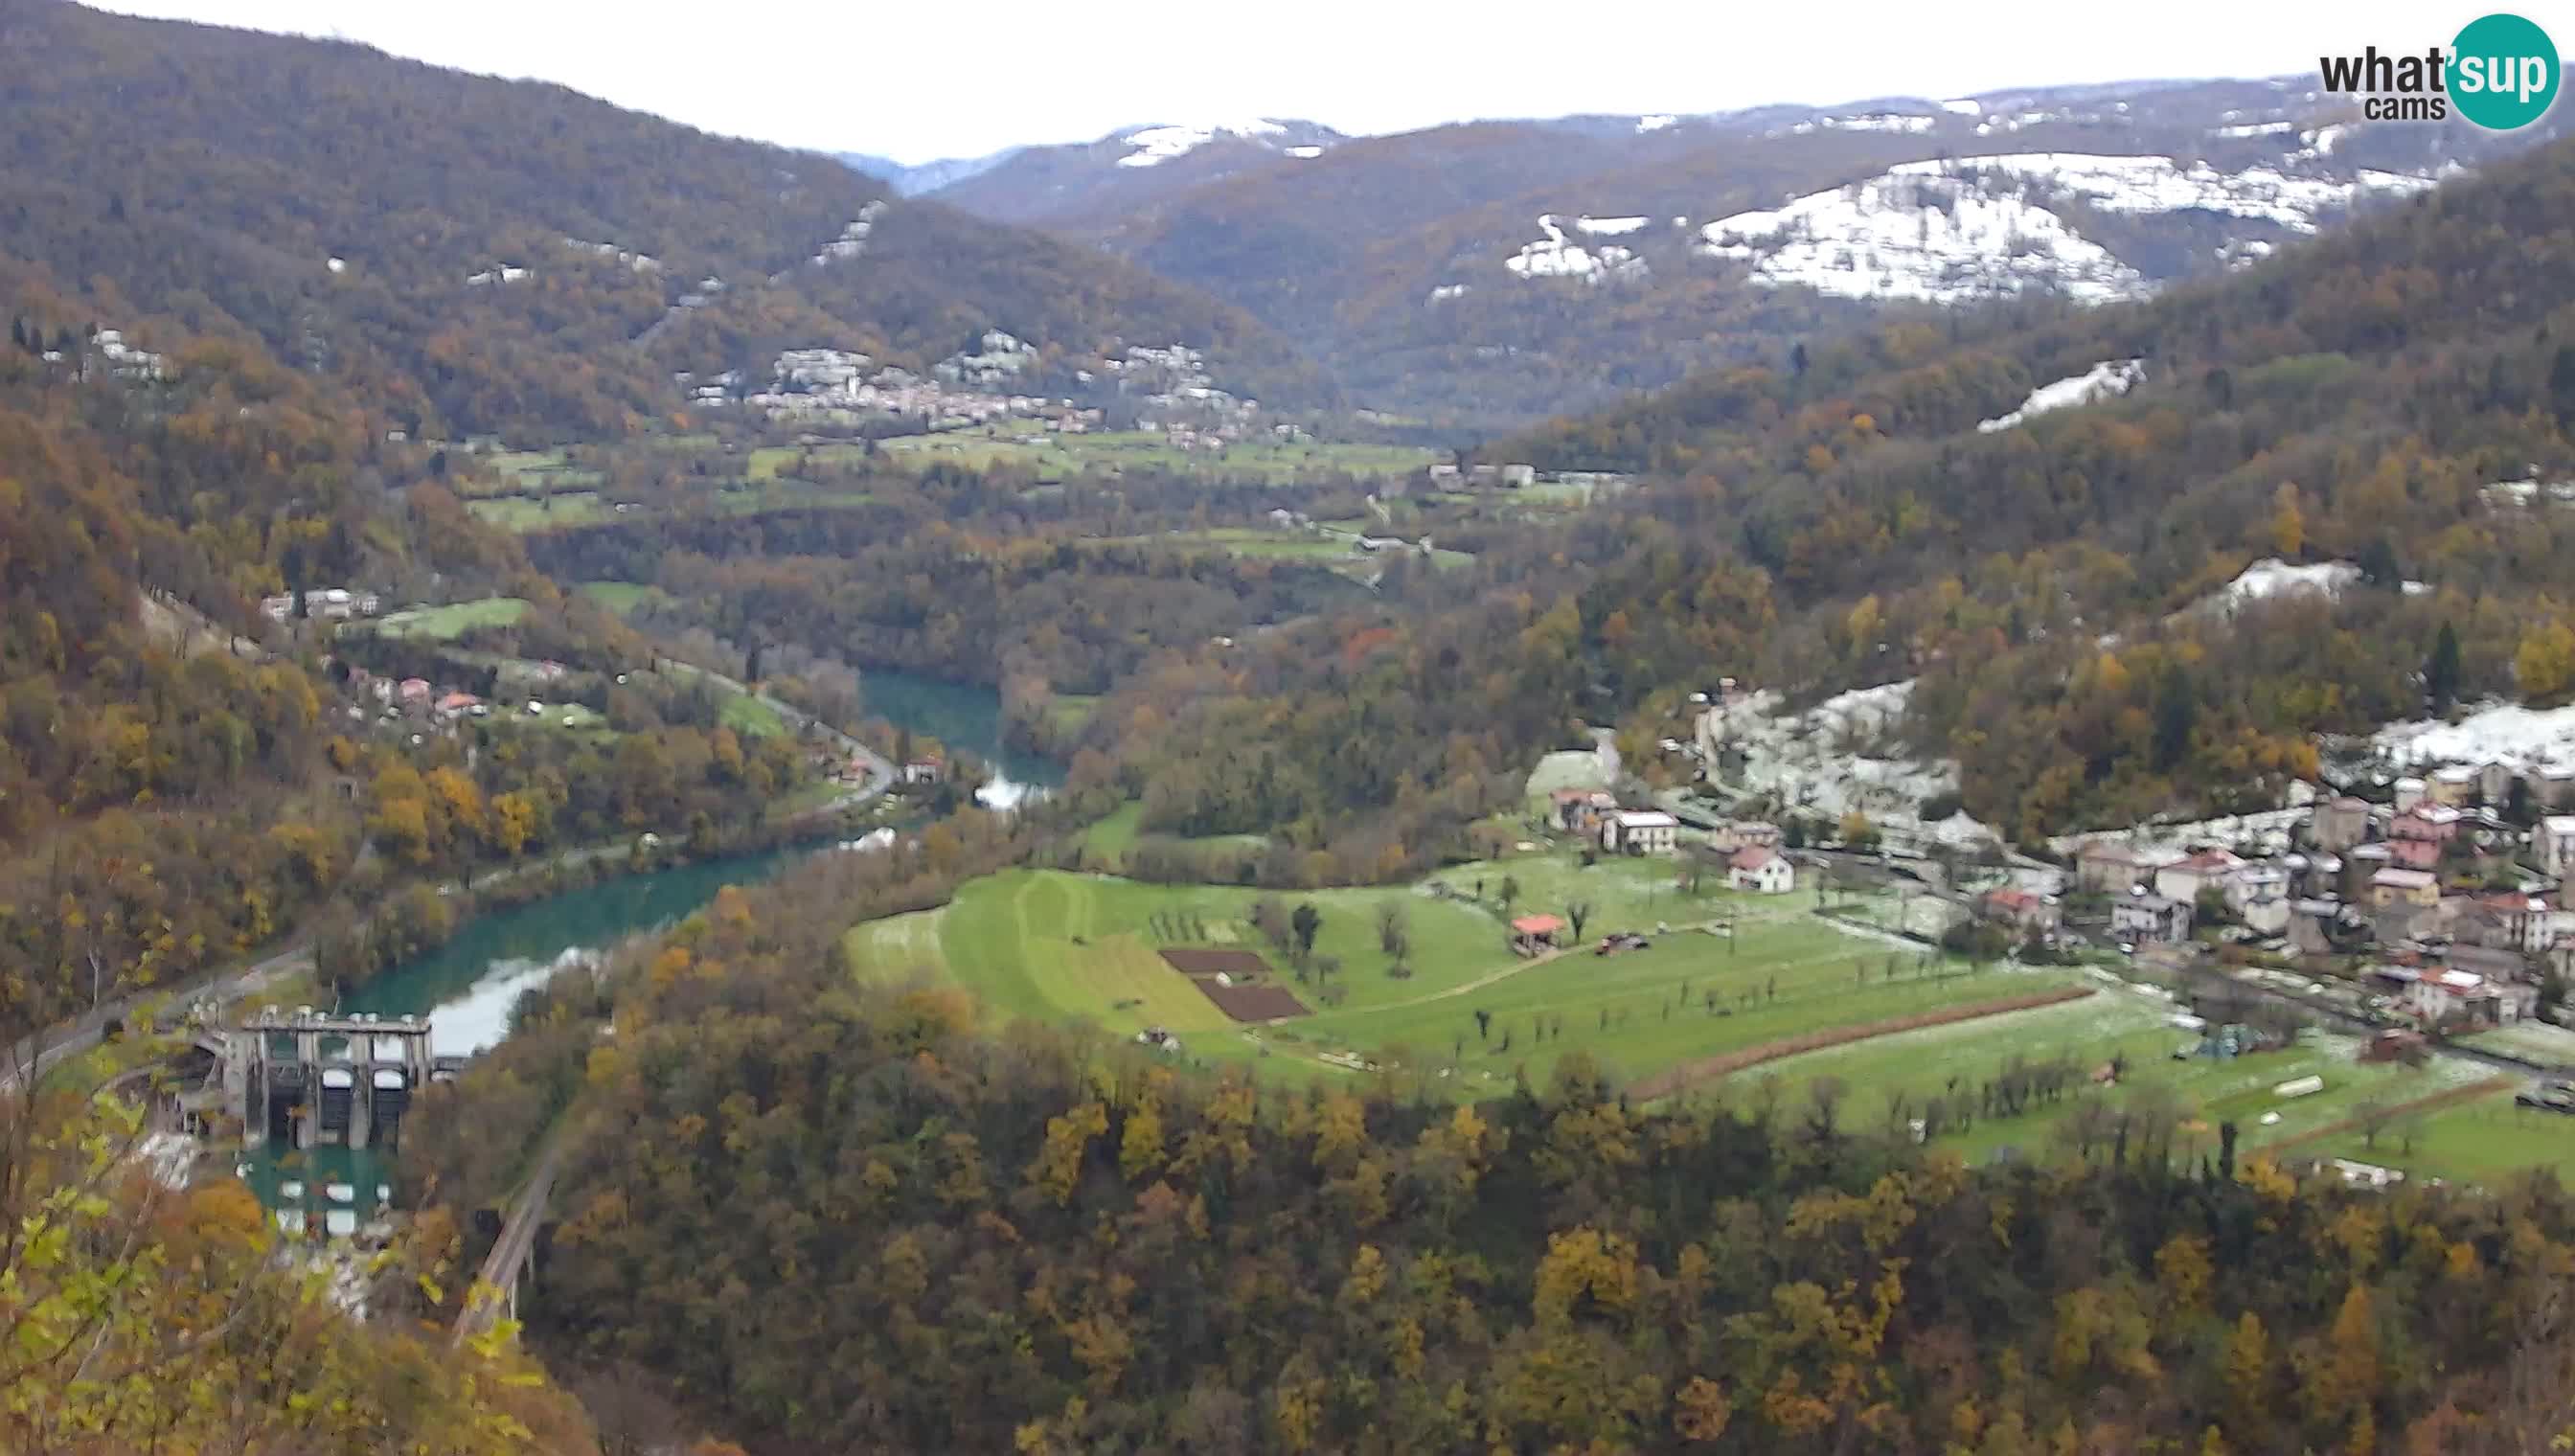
(915, 81)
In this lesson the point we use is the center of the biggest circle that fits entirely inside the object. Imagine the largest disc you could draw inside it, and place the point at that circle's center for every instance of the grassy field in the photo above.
(1272, 460)
(750, 716)
(2466, 1141)
(620, 597)
(1072, 947)
(2482, 1141)
(1472, 1017)
(1066, 947)
(525, 512)
(1113, 836)
(532, 471)
(1107, 842)
(446, 624)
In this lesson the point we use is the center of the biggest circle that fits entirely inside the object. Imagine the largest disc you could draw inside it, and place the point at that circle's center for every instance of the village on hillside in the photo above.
(2422, 892)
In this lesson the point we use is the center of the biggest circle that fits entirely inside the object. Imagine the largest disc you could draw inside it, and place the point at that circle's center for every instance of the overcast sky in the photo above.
(915, 82)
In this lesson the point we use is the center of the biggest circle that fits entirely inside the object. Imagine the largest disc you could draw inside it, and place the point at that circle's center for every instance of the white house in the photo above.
(2439, 995)
(2149, 917)
(1764, 872)
(2265, 914)
(1640, 832)
(2553, 844)
(2254, 882)
(2184, 879)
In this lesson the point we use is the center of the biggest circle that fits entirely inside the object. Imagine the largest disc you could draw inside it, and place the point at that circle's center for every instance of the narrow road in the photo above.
(39, 1053)
(490, 1296)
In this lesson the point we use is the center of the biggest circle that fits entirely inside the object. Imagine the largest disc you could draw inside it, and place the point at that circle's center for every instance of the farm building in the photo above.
(1764, 872)
(2028, 914)
(1533, 934)
(1640, 832)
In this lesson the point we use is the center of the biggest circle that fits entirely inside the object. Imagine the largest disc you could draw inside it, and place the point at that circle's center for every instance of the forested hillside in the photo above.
(845, 1217)
(2350, 401)
(1494, 272)
(482, 255)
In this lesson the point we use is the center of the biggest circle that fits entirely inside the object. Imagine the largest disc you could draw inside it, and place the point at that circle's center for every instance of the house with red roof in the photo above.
(1763, 871)
(1533, 934)
(2030, 914)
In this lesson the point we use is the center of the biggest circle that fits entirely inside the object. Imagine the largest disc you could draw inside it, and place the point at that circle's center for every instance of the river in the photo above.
(467, 987)
(961, 716)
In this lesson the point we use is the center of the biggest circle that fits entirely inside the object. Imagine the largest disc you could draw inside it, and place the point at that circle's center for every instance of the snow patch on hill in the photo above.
(1821, 760)
(1155, 145)
(2110, 378)
(1607, 227)
(2143, 185)
(1925, 238)
(1555, 256)
(2257, 129)
(1947, 230)
(2537, 736)
(1654, 123)
(1964, 106)
(1878, 122)
(2271, 577)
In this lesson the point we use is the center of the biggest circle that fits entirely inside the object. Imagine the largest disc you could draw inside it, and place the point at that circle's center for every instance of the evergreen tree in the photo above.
(2561, 384)
(2441, 674)
(2176, 717)
(2378, 565)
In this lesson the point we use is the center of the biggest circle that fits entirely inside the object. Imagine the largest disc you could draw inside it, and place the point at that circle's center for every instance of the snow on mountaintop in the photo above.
(1607, 227)
(1880, 122)
(1155, 145)
(2110, 377)
(1554, 257)
(2141, 185)
(1654, 123)
(1946, 230)
(1963, 107)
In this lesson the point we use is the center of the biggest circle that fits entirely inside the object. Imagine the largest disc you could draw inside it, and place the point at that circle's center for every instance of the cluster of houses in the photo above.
(837, 386)
(1447, 475)
(2408, 887)
(1450, 475)
(327, 604)
(415, 699)
(1749, 850)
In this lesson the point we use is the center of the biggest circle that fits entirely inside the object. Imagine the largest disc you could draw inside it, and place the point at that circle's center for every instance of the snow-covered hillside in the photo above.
(2108, 377)
(1822, 760)
(1555, 256)
(1152, 146)
(1949, 230)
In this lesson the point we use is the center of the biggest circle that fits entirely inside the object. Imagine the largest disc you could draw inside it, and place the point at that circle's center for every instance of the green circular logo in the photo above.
(2503, 72)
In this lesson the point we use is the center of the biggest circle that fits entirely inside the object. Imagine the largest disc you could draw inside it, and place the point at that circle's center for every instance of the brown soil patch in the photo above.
(1664, 1083)
(1202, 960)
(1251, 1004)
